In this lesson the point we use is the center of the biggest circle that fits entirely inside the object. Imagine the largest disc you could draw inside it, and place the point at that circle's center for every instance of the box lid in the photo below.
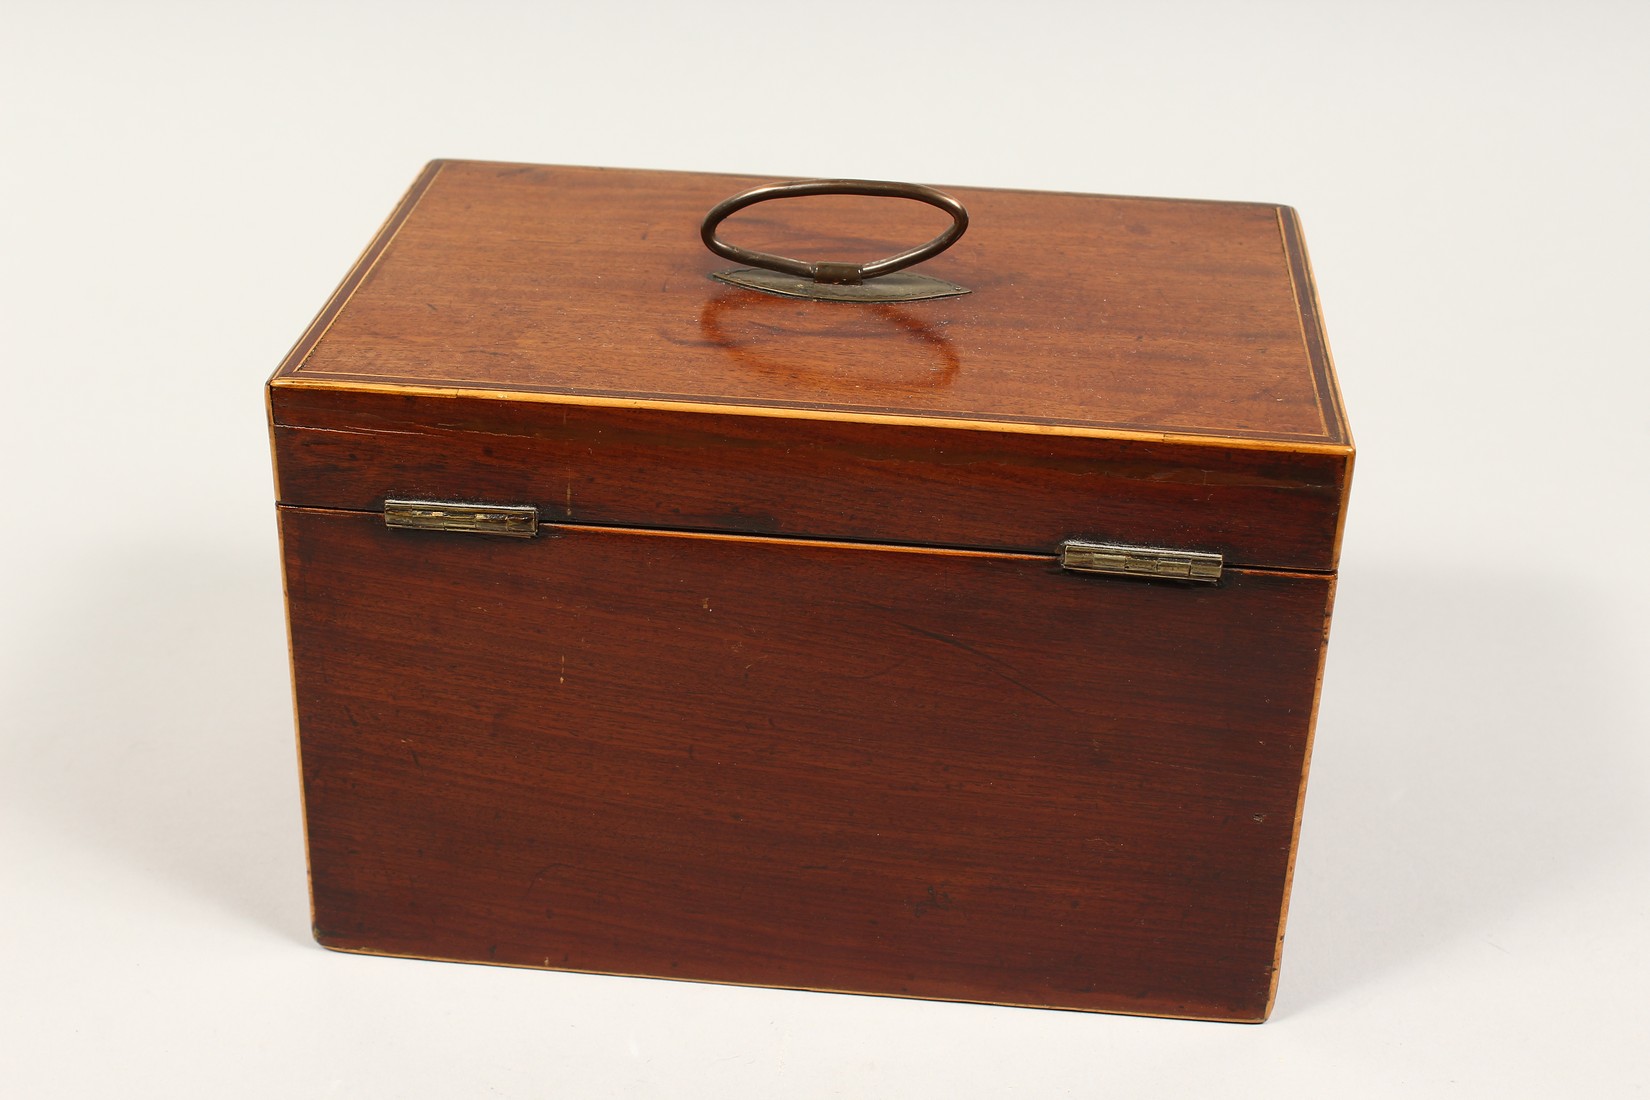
(1139, 370)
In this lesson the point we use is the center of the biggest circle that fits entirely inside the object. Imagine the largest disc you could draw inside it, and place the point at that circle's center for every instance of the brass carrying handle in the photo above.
(829, 272)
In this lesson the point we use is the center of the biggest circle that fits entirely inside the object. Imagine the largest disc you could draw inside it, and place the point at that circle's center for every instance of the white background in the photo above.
(183, 185)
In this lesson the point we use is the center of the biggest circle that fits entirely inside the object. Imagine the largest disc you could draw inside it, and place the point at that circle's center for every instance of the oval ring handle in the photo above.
(825, 271)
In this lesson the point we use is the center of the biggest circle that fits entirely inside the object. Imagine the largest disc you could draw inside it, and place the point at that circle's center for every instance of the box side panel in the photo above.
(924, 773)
(914, 484)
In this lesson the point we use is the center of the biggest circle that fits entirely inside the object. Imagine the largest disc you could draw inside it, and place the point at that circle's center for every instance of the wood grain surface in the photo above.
(920, 484)
(1091, 312)
(927, 773)
(791, 690)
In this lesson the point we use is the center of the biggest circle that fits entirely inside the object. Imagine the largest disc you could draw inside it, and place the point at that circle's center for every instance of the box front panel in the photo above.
(937, 774)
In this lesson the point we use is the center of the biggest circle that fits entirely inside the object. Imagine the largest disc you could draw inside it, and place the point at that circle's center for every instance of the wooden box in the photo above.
(800, 680)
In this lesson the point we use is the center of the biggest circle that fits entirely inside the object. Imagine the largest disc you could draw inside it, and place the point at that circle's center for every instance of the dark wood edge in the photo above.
(274, 449)
(373, 953)
(1300, 798)
(1317, 348)
(357, 274)
(695, 404)
(297, 727)
(832, 411)
(1312, 332)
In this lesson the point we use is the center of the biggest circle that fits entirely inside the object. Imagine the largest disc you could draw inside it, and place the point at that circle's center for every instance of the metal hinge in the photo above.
(515, 520)
(1140, 561)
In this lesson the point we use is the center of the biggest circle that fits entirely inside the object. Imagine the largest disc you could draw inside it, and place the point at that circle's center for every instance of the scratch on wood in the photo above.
(995, 664)
(936, 899)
